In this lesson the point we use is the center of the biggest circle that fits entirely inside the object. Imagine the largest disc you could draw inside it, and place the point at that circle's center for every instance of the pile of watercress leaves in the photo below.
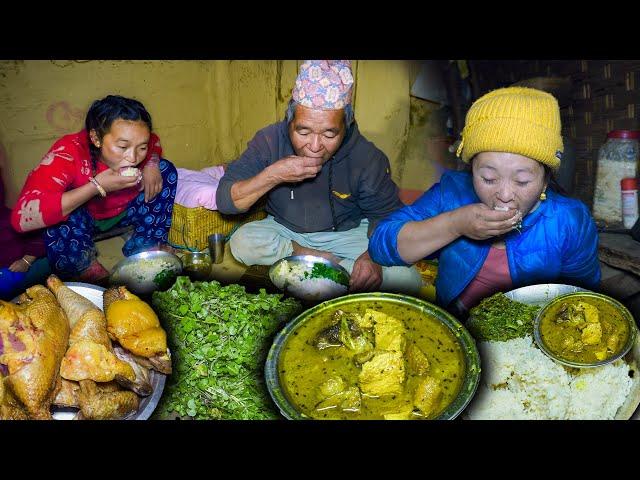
(219, 339)
(498, 318)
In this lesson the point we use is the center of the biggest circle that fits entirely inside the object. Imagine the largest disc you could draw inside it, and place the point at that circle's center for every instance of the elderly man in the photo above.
(327, 186)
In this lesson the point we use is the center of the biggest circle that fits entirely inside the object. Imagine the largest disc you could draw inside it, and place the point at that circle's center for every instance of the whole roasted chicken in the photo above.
(90, 355)
(136, 327)
(33, 339)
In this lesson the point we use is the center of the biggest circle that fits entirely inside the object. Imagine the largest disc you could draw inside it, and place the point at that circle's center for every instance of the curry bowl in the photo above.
(373, 356)
(584, 329)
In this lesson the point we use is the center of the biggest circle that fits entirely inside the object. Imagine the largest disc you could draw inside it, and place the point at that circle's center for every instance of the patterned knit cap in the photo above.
(324, 84)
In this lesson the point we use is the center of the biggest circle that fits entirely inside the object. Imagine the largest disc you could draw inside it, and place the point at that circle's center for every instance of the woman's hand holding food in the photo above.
(112, 181)
(479, 222)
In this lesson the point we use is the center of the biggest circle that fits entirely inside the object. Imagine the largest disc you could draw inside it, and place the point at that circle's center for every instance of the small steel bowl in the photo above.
(621, 309)
(312, 292)
(146, 272)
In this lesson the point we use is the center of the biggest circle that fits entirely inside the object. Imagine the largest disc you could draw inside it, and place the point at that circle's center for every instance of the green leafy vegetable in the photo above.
(219, 339)
(320, 270)
(498, 318)
(165, 278)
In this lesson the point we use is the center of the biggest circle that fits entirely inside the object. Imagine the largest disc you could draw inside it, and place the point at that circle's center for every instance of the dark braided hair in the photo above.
(102, 113)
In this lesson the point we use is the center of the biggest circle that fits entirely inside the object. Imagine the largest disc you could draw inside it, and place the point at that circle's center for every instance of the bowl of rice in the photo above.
(146, 272)
(310, 278)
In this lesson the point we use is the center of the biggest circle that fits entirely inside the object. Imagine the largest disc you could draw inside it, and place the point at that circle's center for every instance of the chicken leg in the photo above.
(90, 354)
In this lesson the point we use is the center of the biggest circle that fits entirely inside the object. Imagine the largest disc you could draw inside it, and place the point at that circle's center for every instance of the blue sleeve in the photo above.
(580, 265)
(383, 244)
(254, 159)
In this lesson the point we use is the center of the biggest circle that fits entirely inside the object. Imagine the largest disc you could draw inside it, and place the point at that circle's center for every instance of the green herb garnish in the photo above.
(219, 339)
(165, 278)
(320, 270)
(498, 318)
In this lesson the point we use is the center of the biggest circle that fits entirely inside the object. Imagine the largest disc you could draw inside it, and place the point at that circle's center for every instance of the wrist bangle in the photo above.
(26, 261)
(101, 190)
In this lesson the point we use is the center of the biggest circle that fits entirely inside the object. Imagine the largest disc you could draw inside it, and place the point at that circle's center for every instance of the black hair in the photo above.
(102, 113)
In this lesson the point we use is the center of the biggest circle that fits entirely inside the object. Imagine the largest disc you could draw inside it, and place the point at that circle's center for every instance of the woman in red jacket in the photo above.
(107, 176)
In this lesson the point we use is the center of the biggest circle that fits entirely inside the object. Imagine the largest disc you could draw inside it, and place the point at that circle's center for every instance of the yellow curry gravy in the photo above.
(303, 367)
(584, 330)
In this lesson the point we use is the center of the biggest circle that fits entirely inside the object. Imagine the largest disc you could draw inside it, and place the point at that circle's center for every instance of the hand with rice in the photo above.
(326, 185)
(503, 222)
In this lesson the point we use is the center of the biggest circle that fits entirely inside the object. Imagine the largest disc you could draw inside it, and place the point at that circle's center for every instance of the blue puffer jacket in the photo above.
(558, 241)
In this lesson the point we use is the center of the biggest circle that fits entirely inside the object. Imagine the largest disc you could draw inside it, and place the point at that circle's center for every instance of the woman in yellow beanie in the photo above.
(499, 226)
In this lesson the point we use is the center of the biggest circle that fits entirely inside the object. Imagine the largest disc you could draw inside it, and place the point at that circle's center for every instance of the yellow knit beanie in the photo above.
(518, 120)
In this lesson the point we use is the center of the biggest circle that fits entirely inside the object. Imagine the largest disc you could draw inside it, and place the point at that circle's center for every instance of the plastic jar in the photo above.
(629, 189)
(617, 159)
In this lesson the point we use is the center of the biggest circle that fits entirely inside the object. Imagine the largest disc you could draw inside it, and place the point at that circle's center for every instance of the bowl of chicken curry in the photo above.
(585, 329)
(373, 356)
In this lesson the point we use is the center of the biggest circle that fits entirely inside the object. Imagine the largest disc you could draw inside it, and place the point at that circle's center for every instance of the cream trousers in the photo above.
(264, 242)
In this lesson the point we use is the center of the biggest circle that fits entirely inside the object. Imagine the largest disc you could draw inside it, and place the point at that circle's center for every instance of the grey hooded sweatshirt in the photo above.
(354, 184)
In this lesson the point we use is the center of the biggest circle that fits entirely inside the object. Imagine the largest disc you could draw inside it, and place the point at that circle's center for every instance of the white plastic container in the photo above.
(629, 189)
(617, 159)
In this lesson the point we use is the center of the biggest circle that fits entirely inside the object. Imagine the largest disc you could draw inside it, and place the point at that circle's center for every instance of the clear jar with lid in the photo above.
(617, 159)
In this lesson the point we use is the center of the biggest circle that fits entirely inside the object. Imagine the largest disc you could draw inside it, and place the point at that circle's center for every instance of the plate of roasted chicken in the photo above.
(78, 351)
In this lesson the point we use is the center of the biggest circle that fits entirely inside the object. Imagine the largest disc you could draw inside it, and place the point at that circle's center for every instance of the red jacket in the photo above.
(65, 167)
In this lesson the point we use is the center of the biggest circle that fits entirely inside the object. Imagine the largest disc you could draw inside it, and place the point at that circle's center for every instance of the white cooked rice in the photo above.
(521, 382)
(292, 275)
(143, 270)
(316, 288)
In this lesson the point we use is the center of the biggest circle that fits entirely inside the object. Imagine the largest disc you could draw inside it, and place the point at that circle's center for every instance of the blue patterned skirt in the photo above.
(70, 245)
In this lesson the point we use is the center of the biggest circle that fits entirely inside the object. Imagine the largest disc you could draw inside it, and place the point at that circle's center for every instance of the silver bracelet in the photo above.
(26, 261)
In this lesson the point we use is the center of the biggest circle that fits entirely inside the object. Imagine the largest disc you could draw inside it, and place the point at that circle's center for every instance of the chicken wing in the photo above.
(90, 354)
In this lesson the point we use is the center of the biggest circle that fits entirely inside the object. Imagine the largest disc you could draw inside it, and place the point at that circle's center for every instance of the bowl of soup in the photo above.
(584, 329)
(373, 356)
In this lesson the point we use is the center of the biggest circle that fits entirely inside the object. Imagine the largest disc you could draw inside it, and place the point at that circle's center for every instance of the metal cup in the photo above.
(216, 247)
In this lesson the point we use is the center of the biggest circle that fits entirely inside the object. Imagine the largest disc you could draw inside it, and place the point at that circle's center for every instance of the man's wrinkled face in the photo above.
(508, 180)
(317, 133)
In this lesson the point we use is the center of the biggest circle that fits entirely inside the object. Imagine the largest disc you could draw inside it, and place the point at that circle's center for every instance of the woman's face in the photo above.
(124, 145)
(509, 180)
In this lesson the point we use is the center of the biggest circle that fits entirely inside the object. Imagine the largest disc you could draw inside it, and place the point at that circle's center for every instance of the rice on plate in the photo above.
(520, 382)
(307, 282)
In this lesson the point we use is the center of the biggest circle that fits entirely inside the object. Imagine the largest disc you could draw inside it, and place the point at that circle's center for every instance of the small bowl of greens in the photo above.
(310, 278)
